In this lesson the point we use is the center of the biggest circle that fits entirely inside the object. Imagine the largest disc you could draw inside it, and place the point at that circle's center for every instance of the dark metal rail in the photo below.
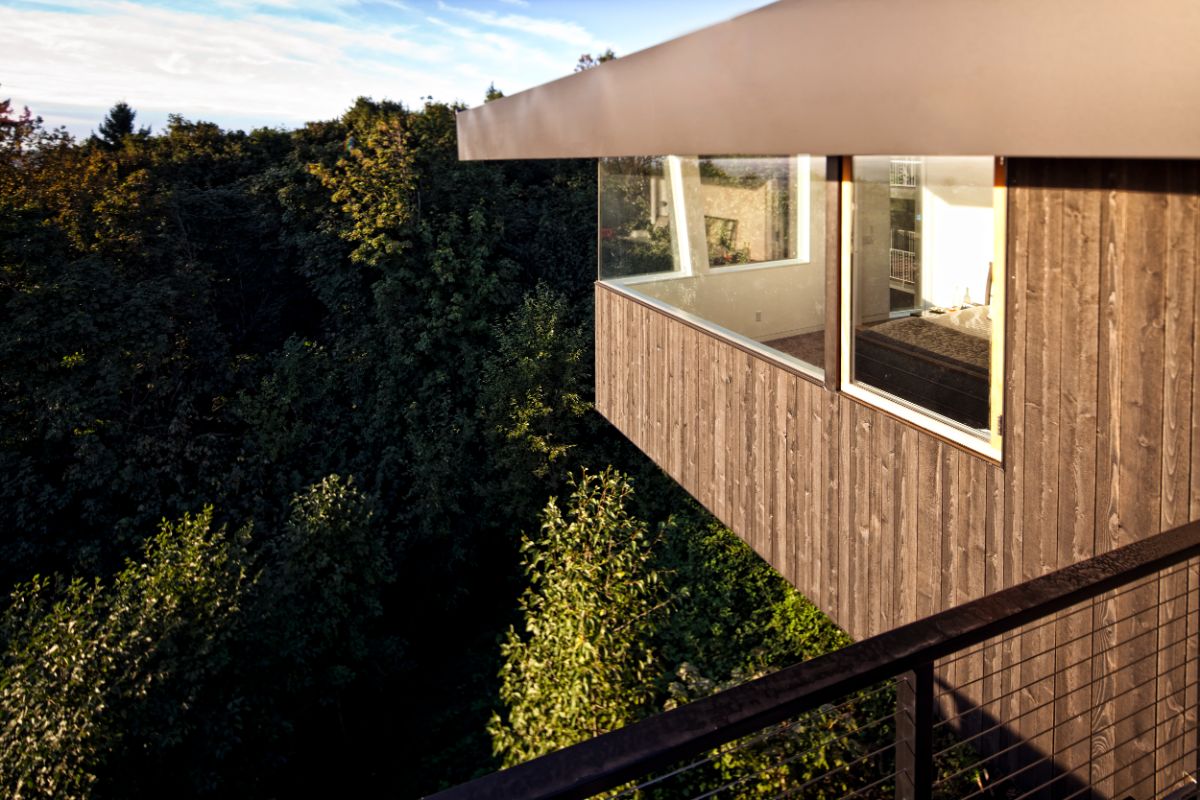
(655, 743)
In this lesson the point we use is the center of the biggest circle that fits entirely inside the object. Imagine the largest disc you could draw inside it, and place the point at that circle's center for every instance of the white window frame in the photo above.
(990, 445)
(801, 189)
(687, 268)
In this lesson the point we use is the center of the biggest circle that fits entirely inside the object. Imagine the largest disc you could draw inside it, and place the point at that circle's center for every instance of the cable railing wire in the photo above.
(946, 663)
(755, 713)
(984, 704)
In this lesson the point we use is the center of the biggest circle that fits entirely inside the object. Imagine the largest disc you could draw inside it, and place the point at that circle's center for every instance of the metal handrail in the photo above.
(614, 758)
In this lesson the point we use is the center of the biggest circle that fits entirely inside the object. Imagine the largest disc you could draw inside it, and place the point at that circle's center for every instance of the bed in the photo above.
(938, 361)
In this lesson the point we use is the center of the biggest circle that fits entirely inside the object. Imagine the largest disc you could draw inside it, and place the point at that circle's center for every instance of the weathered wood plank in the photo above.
(823, 515)
(858, 561)
(1192, 681)
(1183, 210)
(666, 383)
(711, 384)
(883, 521)
(929, 523)
(793, 523)
(845, 501)
(782, 546)
(676, 335)
(1076, 457)
(760, 499)
(951, 544)
(1021, 192)
(689, 413)
(1043, 326)
(1108, 456)
(906, 525)
(1142, 253)
(722, 417)
(744, 422)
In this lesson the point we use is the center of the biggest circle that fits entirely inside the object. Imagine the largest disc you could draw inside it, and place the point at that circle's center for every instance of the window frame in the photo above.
(678, 211)
(801, 189)
(990, 446)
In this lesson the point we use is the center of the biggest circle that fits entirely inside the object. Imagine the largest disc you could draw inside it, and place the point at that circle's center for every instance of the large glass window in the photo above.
(736, 241)
(926, 313)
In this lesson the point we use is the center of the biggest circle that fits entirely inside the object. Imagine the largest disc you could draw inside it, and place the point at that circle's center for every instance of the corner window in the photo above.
(734, 242)
(755, 209)
(924, 313)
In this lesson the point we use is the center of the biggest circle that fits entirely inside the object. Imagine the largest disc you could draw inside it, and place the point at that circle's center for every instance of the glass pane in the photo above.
(734, 241)
(635, 218)
(751, 209)
(924, 243)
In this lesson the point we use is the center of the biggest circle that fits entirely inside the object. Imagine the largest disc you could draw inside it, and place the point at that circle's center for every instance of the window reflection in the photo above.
(922, 260)
(736, 241)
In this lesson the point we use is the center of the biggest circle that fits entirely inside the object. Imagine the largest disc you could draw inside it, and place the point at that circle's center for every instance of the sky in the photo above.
(279, 63)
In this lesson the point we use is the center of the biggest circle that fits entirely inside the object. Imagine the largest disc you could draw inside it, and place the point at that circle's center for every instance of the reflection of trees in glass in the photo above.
(722, 242)
(635, 237)
(757, 192)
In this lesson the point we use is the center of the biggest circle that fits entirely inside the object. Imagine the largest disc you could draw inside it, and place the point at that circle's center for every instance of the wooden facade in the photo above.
(881, 523)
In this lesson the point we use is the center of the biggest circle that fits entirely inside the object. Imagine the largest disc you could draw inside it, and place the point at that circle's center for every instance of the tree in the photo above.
(492, 93)
(586, 61)
(583, 664)
(117, 125)
(534, 401)
(94, 672)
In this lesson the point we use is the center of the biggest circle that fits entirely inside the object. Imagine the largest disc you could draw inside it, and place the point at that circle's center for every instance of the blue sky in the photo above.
(249, 63)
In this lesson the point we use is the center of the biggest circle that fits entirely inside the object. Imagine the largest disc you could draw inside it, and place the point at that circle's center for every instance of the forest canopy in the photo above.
(296, 437)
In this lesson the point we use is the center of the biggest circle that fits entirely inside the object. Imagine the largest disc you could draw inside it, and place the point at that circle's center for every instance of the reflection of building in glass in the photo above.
(904, 187)
(726, 238)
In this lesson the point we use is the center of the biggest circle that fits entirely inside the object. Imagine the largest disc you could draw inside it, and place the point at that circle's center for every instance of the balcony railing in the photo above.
(903, 267)
(904, 172)
(1081, 683)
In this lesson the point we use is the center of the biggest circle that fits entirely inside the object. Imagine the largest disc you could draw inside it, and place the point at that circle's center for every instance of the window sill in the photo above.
(793, 365)
(649, 277)
(734, 268)
(927, 421)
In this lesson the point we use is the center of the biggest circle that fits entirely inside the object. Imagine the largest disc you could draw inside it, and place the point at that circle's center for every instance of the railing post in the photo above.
(914, 734)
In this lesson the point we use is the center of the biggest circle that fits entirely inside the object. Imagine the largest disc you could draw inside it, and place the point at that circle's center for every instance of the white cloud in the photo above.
(254, 65)
(557, 30)
(520, 3)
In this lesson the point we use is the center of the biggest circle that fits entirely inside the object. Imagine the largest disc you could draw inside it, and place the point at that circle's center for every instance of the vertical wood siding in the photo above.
(880, 523)
(769, 452)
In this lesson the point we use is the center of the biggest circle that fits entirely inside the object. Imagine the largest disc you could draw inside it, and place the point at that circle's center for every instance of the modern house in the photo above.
(907, 295)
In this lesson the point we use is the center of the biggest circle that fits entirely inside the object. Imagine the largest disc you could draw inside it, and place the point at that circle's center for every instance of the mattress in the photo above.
(939, 338)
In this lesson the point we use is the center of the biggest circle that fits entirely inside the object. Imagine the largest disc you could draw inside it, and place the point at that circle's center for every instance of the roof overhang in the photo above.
(1069, 78)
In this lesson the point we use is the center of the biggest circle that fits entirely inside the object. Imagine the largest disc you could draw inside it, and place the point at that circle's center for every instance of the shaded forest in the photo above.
(301, 487)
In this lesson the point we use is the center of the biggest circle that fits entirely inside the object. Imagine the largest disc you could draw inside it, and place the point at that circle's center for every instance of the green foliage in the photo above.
(535, 401)
(164, 682)
(583, 664)
(92, 671)
(734, 613)
(215, 318)
(328, 571)
(810, 751)
(587, 61)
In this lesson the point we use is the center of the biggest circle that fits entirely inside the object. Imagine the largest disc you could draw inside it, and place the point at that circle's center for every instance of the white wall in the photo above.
(760, 302)
(790, 299)
(957, 229)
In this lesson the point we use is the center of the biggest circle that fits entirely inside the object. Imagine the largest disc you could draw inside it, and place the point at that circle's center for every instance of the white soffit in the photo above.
(1116, 78)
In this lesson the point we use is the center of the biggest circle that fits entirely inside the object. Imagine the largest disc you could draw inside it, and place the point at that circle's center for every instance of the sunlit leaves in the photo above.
(583, 664)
